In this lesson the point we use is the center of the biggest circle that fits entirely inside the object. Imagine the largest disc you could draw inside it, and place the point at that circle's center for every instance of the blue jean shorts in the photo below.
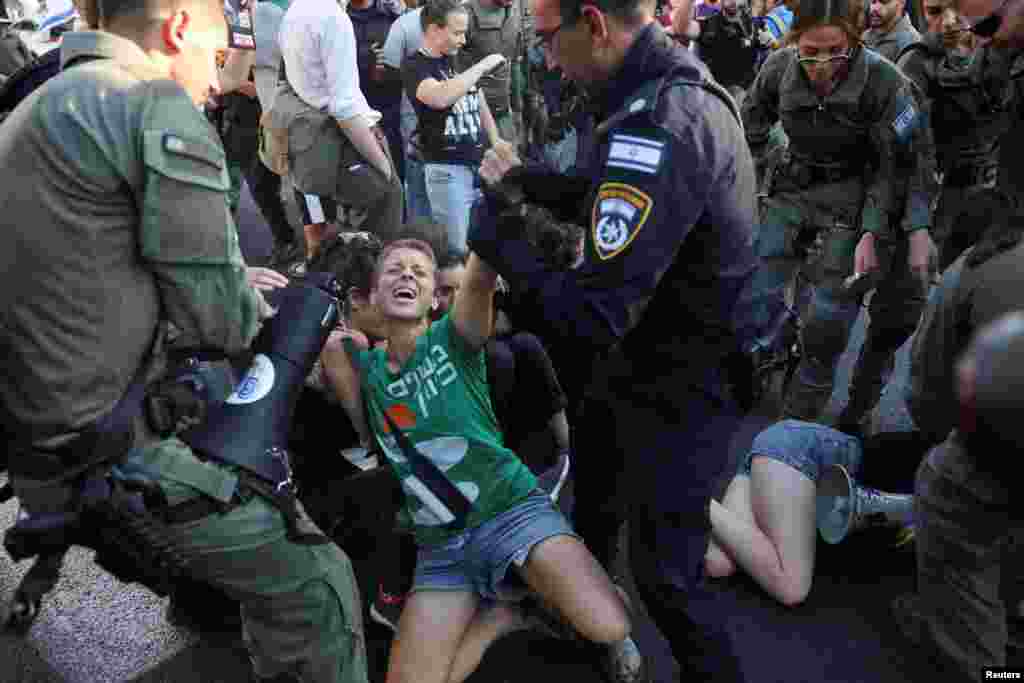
(478, 559)
(807, 447)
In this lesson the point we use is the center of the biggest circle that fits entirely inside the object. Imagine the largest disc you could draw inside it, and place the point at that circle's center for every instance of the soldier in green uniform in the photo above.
(972, 99)
(890, 29)
(494, 28)
(116, 222)
(848, 199)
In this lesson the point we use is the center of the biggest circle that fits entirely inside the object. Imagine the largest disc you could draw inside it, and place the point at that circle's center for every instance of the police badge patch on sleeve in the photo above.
(620, 211)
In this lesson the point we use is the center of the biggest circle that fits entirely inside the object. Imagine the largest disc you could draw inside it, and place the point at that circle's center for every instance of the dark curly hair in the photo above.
(556, 240)
(349, 256)
(352, 256)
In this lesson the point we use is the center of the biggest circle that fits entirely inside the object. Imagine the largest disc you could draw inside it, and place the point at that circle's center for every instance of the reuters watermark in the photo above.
(1002, 673)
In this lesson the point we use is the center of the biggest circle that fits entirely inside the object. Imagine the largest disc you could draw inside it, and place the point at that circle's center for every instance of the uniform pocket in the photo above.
(186, 180)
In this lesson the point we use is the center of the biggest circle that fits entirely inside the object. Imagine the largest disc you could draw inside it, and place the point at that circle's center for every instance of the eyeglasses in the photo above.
(827, 59)
(990, 25)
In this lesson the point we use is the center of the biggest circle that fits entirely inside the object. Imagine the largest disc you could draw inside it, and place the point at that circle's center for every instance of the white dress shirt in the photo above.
(318, 44)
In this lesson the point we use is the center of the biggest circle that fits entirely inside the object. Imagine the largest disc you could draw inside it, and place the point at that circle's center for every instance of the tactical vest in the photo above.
(835, 131)
(490, 33)
(971, 106)
(729, 49)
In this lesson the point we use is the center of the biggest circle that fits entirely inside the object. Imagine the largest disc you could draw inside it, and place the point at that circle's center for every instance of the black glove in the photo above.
(494, 218)
(561, 194)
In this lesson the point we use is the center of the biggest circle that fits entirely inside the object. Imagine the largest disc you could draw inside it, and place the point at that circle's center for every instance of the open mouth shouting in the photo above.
(405, 292)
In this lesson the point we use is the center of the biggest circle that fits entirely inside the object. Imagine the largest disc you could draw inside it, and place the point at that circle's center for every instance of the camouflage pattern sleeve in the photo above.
(897, 124)
(186, 232)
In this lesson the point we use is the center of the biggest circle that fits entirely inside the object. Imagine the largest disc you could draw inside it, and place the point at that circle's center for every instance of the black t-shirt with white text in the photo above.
(445, 136)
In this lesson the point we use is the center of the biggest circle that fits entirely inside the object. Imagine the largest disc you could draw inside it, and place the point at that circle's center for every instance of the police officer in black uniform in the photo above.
(669, 212)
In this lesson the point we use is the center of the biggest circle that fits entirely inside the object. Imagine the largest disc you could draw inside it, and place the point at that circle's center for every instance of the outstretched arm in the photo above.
(473, 312)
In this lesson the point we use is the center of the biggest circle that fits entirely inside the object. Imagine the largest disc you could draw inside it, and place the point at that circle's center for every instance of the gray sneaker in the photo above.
(624, 663)
(552, 480)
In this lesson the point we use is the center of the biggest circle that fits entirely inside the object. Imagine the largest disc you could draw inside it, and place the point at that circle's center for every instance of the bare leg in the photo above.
(717, 562)
(777, 549)
(432, 627)
(488, 626)
(566, 576)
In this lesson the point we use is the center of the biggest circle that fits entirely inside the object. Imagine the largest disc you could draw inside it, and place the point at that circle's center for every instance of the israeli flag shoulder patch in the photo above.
(904, 122)
(634, 153)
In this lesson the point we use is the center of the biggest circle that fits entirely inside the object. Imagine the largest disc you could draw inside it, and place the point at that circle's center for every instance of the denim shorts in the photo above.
(478, 559)
(807, 447)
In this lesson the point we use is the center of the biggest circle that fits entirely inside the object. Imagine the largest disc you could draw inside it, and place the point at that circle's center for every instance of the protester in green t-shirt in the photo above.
(431, 381)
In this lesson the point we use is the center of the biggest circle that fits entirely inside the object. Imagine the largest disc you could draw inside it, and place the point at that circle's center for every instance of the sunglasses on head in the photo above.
(990, 25)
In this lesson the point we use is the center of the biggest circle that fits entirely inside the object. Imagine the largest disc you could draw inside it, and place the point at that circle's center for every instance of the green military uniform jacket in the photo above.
(870, 121)
(890, 44)
(971, 103)
(115, 218)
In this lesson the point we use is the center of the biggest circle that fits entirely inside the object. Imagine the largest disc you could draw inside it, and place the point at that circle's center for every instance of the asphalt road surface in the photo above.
(93, 629)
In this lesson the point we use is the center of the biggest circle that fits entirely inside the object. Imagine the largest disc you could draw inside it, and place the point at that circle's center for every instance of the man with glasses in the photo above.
(668, 206)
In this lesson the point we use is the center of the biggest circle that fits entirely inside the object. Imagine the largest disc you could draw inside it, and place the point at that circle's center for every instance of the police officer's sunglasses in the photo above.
(826, 59)
(990, 25)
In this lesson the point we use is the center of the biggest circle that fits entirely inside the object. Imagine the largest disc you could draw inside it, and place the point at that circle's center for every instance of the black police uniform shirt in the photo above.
(445, 136)
(669, 233)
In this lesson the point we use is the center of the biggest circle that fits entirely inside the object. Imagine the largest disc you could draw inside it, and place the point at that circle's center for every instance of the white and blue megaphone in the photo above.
(39, 22)
(844, 507)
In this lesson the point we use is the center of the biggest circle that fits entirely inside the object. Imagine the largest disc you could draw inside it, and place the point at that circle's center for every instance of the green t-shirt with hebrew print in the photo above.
(440, 400)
